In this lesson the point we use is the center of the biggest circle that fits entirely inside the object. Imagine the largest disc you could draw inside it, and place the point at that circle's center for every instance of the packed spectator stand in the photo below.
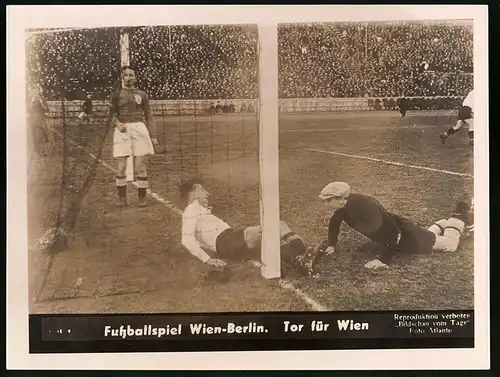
(376, 60)
(411, 59)
(177, 62)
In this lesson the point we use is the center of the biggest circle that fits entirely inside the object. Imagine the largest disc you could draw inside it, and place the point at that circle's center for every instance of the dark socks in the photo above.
(121, 186)
(295, 242)
(122, 191)
(141, 193)
(142, 185)
(461, 212)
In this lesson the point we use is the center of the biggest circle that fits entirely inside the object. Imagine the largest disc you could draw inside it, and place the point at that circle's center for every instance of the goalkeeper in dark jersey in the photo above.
(392, 232)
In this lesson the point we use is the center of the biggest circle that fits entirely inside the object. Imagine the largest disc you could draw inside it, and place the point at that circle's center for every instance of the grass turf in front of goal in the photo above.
(412, 282)
(130, 259)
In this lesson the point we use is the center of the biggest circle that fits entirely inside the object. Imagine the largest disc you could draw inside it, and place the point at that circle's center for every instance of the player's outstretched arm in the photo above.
(113, 112)
(333, 231)
(188, 239)
(385, 256)
(148, 114)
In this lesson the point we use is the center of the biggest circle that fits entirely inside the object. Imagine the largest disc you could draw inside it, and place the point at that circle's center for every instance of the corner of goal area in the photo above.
(271, 296)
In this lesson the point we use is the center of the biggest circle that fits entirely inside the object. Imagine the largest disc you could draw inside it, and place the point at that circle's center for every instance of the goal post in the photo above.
(268, 151)
(124, 61)
(268, 110)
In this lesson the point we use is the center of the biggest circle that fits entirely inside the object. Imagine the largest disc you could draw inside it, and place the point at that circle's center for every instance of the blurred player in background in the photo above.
(86, 113)
(134, 135)
(403, 106)
(391, 232)
(39, 135)
(465, 117)
(84, 118)
(203, 230)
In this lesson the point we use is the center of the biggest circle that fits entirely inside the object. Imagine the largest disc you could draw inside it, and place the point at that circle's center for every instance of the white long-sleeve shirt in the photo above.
(469, 100)
(200, 229)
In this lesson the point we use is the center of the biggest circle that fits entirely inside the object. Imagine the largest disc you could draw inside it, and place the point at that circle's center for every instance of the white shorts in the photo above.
(136, 141)
(470, 123)
(450, 238)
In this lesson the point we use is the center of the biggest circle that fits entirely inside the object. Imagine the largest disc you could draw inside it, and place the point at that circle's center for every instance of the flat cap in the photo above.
(335, 189)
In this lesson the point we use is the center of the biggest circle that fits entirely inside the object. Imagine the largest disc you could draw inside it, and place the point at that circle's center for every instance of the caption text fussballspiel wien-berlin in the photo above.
(125, 331)
(128, 331)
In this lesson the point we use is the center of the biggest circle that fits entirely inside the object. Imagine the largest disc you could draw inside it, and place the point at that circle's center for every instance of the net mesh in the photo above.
(66, 148)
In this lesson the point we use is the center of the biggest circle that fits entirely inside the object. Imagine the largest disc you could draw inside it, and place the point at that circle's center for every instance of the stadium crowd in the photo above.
(221, 62)
(177, 62)
(193, 62)
(66, 64)
(376, 60)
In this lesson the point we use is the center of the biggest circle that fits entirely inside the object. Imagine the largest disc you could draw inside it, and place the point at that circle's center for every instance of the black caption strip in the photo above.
(267, 331)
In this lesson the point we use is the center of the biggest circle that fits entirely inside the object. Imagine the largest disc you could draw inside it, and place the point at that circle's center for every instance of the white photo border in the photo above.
(19, 18)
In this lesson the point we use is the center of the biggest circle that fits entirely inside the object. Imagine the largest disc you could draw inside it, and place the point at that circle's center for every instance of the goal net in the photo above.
(63, 68)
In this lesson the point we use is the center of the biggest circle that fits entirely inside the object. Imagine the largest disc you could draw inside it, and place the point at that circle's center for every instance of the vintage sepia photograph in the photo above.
(144, 169)
(144, 154)
(376, 160)
(190, 185)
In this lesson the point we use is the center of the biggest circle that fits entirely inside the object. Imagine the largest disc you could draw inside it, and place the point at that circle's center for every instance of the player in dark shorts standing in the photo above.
(203, 230)
(465, 117)
(84, 119)
(392, 232)
(403, 106)
(86, 110)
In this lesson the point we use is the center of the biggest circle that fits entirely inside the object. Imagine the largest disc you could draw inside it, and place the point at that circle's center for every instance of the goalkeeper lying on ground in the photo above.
(391, 232)
(203, 230)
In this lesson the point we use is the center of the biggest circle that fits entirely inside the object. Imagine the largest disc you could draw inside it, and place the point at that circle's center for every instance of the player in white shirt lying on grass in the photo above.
(202, 230)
